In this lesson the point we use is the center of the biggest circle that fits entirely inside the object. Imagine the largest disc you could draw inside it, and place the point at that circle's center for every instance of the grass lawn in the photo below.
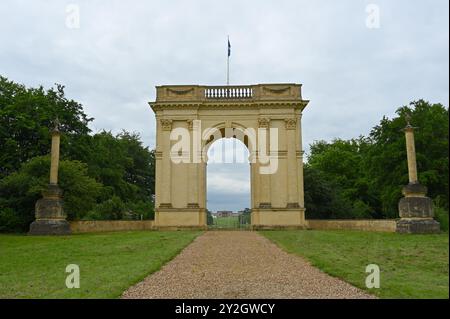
(226, 222)
(34, 267)
(412, 266)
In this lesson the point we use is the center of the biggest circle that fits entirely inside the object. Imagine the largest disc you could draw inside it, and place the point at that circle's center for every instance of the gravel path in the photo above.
(240, 264)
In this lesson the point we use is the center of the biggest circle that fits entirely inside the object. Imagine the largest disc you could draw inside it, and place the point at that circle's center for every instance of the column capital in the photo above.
(166, 124)
(409, 128)
(263, 122)
(190, 124)
(291, 123)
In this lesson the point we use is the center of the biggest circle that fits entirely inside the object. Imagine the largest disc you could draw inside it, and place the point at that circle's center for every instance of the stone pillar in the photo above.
(291, 128)
(54, 166)
(299, 157)
(49, 210)
(264, 125)
(411, 154)
(415, 208)
(193, 198)
(166, 191)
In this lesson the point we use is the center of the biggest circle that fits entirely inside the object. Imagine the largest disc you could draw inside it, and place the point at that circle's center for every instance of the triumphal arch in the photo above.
(265, 117)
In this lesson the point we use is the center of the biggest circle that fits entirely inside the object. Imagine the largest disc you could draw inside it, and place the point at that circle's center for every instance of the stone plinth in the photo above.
(49, 212)
(418, 226)
(416, 211)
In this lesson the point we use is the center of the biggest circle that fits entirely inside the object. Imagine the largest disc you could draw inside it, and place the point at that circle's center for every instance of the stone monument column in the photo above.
(49, 210)
(415, 208)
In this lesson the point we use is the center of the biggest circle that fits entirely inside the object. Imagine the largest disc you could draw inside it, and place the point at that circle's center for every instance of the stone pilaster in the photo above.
(299, 156)
(193, 198)
(166, 191)
(291, 126)
(264, 132)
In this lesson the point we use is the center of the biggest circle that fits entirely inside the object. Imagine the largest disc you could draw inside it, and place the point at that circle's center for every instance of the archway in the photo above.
(265, 117)
(228, 185)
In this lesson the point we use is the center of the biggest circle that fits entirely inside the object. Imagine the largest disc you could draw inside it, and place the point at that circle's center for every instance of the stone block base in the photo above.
(174, 218)
(415, 207)
(418, 226)
(50, 227)
(283, 218)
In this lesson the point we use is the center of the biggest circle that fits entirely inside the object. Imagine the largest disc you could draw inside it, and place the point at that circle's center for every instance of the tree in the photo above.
(245, 217)
(335, 183)
(324, 198)
(26, 117)
(121, 164)
(209, 218)
(140, 170)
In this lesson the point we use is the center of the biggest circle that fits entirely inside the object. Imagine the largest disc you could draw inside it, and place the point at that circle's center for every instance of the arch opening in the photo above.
(228, 178)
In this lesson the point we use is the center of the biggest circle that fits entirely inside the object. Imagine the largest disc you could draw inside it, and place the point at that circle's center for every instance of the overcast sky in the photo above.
(352, 71)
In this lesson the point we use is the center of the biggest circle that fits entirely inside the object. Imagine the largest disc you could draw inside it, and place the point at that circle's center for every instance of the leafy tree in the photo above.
(121, 164)
(323, 198)
(209, 218)
(335, 183)
(110, 209)
(245, 217)
(26, 117)
(141, 209)
(140, 170)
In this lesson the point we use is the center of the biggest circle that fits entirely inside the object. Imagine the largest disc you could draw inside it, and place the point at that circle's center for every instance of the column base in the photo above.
(50, 215)
(281, 218)
(180, 218)
(50, 227)
(418, 226)
(416, 211)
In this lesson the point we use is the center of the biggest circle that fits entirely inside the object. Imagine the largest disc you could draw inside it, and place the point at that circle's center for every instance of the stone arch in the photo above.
(267, 117)
(235, 130)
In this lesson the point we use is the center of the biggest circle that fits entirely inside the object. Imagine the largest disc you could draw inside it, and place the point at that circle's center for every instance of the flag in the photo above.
(229, 47)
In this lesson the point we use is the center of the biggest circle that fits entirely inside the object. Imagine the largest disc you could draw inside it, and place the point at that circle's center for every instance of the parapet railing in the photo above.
(231, 93)
(228, 92)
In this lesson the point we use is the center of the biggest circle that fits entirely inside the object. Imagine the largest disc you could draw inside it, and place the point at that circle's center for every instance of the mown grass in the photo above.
(34, 267)
(226, 222)
(412, 266)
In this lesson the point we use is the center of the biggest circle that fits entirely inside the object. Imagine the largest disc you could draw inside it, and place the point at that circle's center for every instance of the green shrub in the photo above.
(361, 210)
(10, 221)
(441, 215)
(115, 209)
(111, 209)
(141, 208)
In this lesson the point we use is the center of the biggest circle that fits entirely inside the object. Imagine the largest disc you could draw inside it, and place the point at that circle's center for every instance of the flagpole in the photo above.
(228, 62)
